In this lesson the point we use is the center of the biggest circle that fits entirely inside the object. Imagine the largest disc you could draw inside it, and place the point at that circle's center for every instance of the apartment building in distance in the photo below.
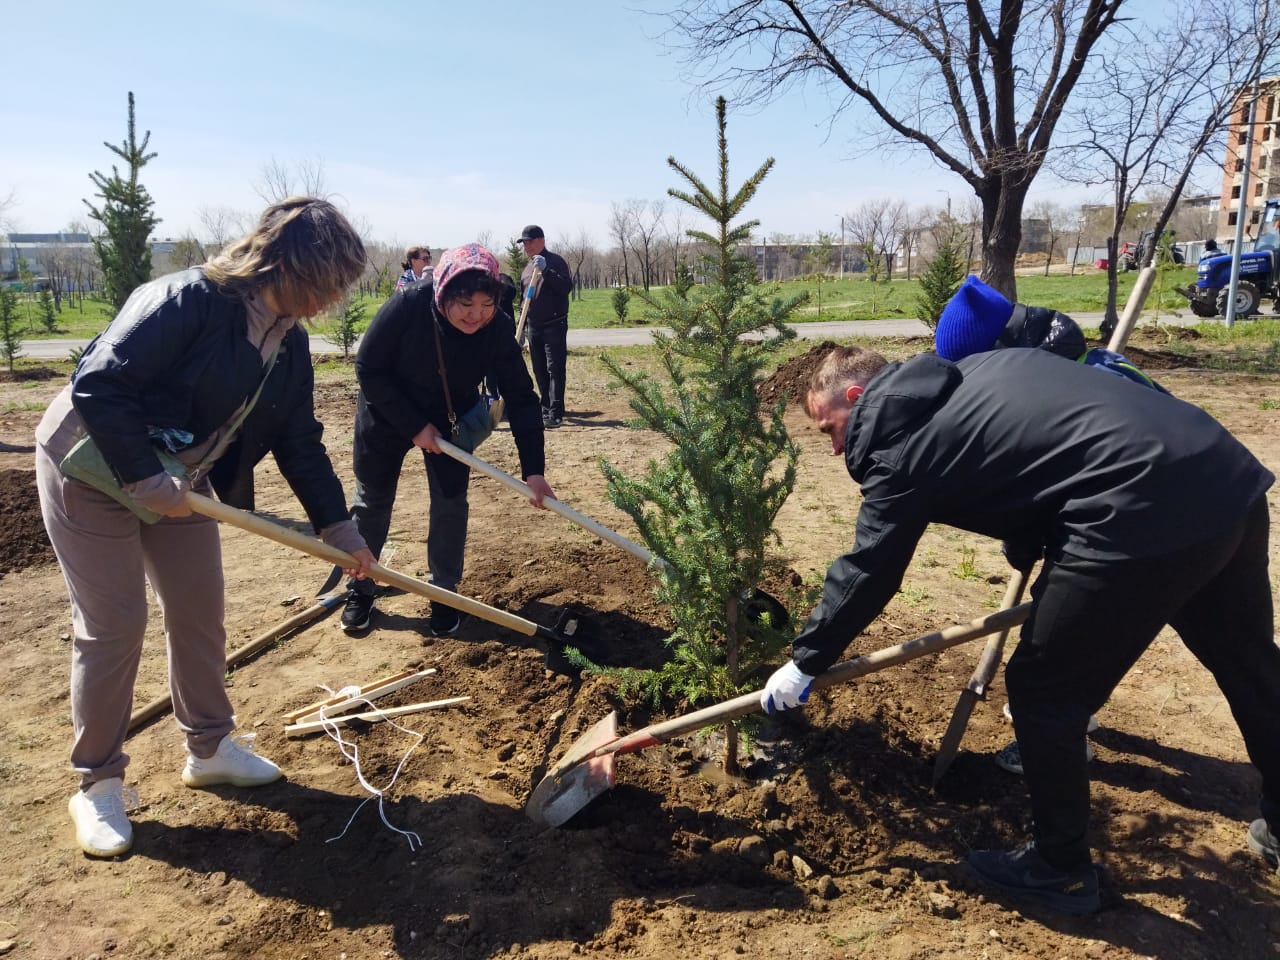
(1264, 166)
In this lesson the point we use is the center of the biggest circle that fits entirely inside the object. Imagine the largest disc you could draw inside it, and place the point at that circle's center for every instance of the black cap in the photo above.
(532, 232)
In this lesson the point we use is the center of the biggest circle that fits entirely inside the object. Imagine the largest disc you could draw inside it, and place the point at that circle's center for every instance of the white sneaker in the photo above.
(1093, 726)
(102, 827)
(234, 762)
(1010, 758)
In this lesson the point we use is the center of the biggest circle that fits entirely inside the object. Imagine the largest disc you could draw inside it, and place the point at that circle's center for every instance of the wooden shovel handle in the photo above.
(252, 523)
(552, 504)
(749, 703)
(525, 299)
(992, 653)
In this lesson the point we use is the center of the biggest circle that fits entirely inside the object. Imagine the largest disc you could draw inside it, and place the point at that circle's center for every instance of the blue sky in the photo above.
(434, 123)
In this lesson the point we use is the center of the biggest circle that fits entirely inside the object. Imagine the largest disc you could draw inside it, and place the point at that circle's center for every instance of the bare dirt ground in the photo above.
(832, 845)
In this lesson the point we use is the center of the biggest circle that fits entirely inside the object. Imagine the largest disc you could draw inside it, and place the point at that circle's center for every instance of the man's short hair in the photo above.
(843, 367)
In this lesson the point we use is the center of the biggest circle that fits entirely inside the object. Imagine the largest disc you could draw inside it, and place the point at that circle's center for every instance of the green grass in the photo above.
(853, 298)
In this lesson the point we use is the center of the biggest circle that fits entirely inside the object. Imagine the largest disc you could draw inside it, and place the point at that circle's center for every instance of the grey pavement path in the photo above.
(628, 336)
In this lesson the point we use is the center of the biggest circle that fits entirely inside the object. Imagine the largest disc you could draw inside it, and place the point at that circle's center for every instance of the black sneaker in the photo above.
(553, 423)
(1024, 873)
(1264, 842)
(358, 611)
(444, 620)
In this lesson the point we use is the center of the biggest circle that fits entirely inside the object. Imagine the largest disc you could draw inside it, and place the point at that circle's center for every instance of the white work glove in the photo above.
(539, 262)
(787, 688)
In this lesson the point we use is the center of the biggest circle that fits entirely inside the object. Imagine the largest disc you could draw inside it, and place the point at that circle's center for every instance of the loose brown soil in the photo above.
(832, 845)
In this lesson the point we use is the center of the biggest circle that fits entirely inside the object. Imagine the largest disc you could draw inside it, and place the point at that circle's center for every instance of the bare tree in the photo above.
(646, 220)
(575, 253)
(8, 202)
(187, 252)
(1057, 219)
(382, 267)
(621, 224)
(877, 227)
(278, 181)
(221, 226)
(1159, 109)
(80, 262)
(981, 93)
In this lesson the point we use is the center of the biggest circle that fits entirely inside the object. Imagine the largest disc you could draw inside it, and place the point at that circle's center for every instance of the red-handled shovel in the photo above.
(586, 770)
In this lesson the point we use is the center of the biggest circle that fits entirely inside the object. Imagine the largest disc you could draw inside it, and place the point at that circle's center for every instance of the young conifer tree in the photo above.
(10, 338)
(127, 218)
(940, 280)
(709, 506)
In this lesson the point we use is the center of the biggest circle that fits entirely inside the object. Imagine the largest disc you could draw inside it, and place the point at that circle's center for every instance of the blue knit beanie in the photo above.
(971, 320)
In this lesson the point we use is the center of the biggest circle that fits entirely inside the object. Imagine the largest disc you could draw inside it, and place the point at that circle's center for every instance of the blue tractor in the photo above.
(1259, 274)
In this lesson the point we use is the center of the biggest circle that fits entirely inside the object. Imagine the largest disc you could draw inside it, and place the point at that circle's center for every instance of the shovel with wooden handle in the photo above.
(291, 538)
(759, 603)
(586, 770)
(976, 689)
(555, 506)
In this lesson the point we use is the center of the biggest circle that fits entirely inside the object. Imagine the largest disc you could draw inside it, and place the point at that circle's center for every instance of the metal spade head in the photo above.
(577, 779)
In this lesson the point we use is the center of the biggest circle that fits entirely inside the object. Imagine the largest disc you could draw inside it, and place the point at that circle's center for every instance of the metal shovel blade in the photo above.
(574, 782)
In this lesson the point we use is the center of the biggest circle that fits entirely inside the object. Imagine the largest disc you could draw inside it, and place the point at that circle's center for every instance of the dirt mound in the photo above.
(28, 374)
(791, 380)
(23, 542)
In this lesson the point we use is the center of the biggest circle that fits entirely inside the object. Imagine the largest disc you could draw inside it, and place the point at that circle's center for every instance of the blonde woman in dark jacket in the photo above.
(175, 370)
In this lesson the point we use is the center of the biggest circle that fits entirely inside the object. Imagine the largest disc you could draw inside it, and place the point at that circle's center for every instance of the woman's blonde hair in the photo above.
(302, 247)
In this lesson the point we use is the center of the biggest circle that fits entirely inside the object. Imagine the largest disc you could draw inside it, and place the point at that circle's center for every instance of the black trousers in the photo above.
(377, 459)
(548, 347)
(1091, 622)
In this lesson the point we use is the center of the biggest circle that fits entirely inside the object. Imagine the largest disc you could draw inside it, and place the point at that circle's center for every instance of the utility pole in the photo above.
(1242, 213)
(841, 247)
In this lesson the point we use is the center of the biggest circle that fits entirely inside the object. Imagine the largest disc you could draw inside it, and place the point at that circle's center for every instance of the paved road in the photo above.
(628, 336)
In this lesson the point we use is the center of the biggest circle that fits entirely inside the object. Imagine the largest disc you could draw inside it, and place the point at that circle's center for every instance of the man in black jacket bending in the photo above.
(548, 321)
(1147, 513)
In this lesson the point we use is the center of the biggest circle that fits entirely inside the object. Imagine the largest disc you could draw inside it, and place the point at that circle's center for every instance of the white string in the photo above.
(352, 752)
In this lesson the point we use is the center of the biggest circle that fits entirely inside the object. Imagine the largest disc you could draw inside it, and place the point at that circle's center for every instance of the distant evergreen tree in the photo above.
(940, 280)
(708, 508)
(126, 218)
(621, 300)
(10, 339)
(516, 261)
(48, 315)
(684, 279)
(349, 325)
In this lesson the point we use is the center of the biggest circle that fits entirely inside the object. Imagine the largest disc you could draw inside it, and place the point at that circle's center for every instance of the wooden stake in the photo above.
(315, 726)
(370, 691)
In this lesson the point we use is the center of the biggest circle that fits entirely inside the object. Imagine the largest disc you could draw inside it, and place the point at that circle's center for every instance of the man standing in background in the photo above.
(548, 320)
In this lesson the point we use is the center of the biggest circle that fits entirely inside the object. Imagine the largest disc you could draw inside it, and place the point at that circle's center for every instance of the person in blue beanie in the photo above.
(979, 318)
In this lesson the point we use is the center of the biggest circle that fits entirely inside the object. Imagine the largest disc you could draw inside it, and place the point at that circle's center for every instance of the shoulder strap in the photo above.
(444, 377)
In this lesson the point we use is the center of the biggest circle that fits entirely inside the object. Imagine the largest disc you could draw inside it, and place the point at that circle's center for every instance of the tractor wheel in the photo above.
(1247, 299)
(1202, 308)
